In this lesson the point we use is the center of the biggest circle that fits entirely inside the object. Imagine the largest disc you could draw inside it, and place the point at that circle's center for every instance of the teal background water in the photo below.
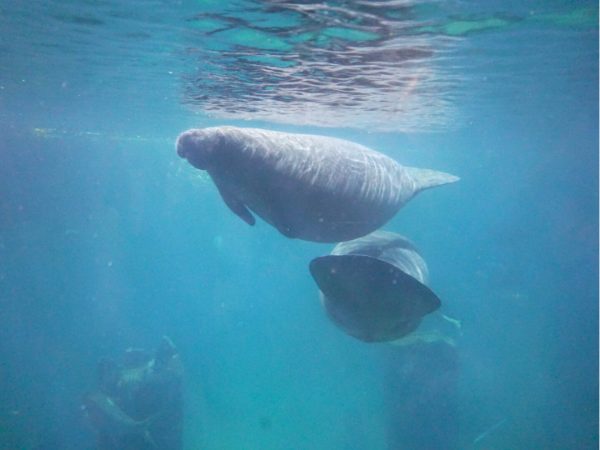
(108, 240)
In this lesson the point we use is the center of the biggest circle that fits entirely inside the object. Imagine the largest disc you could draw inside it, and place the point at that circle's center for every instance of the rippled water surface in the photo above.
(381, 65)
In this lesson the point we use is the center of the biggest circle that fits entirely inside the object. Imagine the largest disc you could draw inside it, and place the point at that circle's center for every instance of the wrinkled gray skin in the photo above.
(371, 320)
(314, 188)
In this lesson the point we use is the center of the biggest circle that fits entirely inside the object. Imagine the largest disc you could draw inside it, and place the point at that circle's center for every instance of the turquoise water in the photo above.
(109, 240)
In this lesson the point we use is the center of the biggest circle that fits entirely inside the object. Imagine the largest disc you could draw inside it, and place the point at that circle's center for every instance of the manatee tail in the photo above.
(427, 178)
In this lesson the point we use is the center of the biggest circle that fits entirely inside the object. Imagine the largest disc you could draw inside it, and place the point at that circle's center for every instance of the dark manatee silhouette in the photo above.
(138, 401)
(115, 424)
(309, 187)
(374, 288)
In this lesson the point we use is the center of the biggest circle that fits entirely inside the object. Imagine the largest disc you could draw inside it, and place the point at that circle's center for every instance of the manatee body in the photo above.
(392, 248)
(108, 418)
(374, 288)
(309, 187)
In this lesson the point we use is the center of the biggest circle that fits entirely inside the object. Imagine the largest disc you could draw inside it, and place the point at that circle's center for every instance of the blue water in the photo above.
(108, 240)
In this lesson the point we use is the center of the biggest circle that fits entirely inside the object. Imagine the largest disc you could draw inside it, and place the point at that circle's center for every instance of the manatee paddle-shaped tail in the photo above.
(427, 178)
(374, 288)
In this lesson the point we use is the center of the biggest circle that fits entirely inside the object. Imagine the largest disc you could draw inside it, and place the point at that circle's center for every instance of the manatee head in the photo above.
(198, 146)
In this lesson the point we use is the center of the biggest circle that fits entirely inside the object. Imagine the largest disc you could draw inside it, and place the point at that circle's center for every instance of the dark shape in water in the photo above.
(110, 420)
(309, 187)
(373, 288)
(139, 401)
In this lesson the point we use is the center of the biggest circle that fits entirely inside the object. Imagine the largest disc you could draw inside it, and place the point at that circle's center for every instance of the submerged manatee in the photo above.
(308, 187)
(108, 418)
(374, 288)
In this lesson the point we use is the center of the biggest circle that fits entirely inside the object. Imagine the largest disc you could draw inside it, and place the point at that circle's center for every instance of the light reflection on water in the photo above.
(343, 64)
(405, 66)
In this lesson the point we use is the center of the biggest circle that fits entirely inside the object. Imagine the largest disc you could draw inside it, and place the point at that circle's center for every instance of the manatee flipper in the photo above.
(236, 206)
(427, 178)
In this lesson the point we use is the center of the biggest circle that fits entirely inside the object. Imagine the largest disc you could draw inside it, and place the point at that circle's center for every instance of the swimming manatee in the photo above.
(374, 288)
(107, 417)
(309, 187)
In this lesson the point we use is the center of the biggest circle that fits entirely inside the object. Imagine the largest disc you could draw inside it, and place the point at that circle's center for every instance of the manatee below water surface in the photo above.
(374, 288)
(309, 187)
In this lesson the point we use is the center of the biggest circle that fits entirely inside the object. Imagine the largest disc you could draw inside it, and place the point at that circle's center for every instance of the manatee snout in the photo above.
(193, 146)
(186, 142)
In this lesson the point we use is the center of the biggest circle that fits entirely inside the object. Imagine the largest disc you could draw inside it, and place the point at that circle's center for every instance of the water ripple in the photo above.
(340, 64)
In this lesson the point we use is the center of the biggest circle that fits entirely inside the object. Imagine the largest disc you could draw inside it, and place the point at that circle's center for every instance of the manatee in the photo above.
(308, 187)
(108, 418)
(374, 288)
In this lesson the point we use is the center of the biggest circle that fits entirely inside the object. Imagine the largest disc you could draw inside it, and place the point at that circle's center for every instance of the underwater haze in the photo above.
(110, 241)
